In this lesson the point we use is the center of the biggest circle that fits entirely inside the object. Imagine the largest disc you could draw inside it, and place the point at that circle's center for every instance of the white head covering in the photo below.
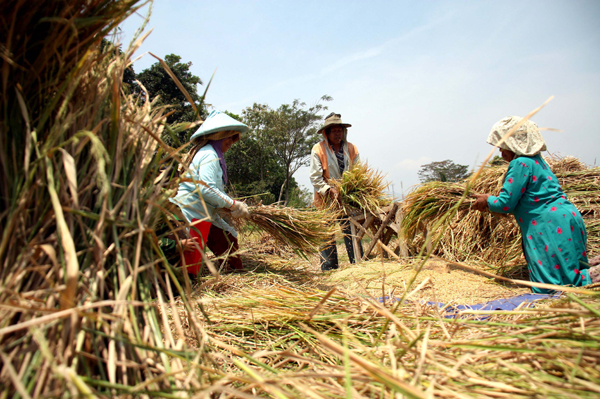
(525, 141)
(219, 122)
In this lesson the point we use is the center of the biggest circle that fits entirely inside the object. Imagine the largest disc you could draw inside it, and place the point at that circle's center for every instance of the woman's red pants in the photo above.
(217, 240)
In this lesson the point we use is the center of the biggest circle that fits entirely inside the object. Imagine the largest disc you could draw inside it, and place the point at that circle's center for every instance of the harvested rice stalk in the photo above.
(302, 229)
(79, 208)
(428, 202)
(492, 238)
(362, 188)
(565, 164)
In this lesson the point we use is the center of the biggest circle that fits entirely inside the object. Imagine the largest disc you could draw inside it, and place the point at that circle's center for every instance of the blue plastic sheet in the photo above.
(498, 304)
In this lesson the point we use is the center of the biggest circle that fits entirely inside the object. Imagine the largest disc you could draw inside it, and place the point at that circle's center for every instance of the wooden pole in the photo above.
(388, 250)
(365, 226)
(391, 213)
(370, 235)
(355, 243)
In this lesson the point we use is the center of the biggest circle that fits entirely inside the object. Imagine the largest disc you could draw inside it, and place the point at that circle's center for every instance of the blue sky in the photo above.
(419, 81)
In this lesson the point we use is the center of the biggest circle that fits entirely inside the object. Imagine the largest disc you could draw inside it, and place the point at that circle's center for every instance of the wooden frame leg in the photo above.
(372, 237)
(381, 230)
(355, 244)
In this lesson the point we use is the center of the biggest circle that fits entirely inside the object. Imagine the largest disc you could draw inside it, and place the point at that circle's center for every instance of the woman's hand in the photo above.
(189, 244)
(239, 210)
(480, 203)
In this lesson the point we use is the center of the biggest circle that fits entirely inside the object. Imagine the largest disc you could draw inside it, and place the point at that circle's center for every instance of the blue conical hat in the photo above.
(216, 122)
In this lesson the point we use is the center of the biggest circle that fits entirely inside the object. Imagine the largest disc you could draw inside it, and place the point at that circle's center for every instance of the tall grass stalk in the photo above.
(80, 267)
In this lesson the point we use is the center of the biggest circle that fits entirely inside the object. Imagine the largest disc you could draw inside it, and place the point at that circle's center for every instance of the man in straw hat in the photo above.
(330, 158)
(202, 191)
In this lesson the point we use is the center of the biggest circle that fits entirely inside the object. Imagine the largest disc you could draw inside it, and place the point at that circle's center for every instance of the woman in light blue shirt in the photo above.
(202, 191)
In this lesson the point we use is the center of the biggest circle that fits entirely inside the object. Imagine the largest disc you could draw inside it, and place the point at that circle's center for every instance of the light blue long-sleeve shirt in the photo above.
(196, 200)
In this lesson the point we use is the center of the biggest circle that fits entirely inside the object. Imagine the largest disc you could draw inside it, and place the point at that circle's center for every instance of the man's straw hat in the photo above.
(333, 119)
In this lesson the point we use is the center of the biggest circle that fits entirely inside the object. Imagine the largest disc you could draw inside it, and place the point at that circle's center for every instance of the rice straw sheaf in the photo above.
(304, 230)
(493, 239)
(83, 279)
(361, 188)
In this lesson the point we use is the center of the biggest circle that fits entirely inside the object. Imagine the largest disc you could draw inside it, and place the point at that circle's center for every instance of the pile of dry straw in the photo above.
(299, 342)
(79, 262)
(489, 238)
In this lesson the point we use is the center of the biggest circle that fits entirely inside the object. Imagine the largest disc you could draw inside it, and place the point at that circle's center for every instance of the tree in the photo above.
(257, 119)
(446, 171)
(252, 167)
(498, 161)
(158, 83)
(300, 197)
(290, 131)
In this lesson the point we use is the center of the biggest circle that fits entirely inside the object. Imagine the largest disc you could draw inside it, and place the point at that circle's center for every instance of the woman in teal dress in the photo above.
(553, 231)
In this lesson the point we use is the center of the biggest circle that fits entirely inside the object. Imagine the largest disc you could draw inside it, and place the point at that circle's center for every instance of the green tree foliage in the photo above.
(252, 167)
(293, 136)
(288, 132)
(445, 171)
(498, 161)
(300, 197)
(158, 83)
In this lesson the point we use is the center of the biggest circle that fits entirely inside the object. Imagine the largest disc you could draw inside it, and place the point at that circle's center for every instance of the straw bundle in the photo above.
(491, 238)
(304, 230)
(79, 261)
(361, 188)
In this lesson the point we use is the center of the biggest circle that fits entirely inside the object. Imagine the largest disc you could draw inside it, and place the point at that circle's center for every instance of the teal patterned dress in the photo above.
(554, 235)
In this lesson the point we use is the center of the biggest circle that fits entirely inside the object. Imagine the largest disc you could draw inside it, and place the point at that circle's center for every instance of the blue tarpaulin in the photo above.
(453, 311)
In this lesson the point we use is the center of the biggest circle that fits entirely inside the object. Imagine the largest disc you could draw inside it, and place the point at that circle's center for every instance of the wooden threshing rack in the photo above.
(380, 228)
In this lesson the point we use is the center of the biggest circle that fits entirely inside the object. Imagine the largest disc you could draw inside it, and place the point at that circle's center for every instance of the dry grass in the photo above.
(491, 239)
(338, 341)
(80, 264)
(361, 189)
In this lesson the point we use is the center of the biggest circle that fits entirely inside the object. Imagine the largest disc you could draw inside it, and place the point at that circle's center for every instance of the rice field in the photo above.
(90, 307)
